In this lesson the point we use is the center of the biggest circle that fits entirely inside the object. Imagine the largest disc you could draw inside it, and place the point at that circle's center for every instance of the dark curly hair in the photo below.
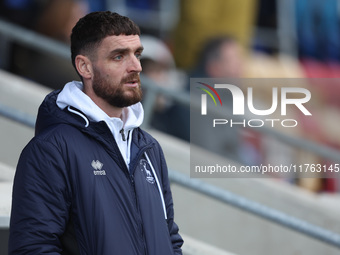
(94, 27)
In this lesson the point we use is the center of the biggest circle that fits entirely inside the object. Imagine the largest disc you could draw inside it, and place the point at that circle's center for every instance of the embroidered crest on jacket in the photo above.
(146, 169)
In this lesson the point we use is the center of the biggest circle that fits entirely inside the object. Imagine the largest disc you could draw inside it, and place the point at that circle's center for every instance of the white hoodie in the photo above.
(132, 116)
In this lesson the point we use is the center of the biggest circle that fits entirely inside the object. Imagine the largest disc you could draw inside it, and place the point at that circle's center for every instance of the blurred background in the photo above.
(271, 39)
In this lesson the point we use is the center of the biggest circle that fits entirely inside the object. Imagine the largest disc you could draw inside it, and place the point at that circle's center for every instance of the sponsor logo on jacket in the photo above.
(97, 166)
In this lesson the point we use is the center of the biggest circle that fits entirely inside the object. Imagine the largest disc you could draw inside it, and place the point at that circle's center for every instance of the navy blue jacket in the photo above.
(73, 193)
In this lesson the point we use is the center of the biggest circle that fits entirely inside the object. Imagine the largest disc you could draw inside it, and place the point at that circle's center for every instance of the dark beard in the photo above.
(117, 95)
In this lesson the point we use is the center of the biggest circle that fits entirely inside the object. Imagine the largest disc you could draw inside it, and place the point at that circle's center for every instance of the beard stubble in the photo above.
(115, 94)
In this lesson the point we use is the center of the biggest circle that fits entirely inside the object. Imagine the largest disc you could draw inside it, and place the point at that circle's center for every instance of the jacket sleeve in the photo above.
(176, 239)
(40, 201)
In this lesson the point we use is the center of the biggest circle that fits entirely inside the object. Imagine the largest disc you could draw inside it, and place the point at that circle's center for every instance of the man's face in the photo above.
(229, 62)
(116, 70)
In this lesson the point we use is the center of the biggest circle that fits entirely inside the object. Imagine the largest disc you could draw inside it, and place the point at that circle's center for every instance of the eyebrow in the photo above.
(124, 50)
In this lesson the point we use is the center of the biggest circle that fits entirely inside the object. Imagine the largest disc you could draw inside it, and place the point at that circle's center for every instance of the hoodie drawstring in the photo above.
(129, 140)
(158, 185)
(79, 114)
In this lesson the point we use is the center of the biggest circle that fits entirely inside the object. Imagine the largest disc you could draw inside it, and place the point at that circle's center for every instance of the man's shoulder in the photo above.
(56, 136)
(57, 131)
(59, 139)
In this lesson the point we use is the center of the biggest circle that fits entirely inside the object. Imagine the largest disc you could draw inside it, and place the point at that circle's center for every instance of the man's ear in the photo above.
(84, 66)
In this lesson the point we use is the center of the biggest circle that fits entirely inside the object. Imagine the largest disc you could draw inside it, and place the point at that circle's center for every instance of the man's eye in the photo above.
(138, 55)
(119, 57)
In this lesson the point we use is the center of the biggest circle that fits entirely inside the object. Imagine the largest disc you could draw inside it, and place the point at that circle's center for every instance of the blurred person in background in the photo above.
(202, 21)
(159, 66)
(221, 57)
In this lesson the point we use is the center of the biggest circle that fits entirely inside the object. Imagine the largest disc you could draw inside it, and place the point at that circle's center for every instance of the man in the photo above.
(91, 181)
(219, 59)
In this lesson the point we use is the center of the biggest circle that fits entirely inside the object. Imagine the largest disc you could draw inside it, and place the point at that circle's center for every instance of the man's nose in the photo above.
(134, 65)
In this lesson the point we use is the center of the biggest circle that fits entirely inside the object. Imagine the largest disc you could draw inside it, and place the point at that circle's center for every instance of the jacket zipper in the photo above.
(132, 182)
(122, 134)
(138, 213)
(141, 227)
(133, 168)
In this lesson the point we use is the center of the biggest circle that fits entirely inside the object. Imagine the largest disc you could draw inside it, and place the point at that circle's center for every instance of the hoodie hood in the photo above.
(73, 95)
(50, 115)
(68, 105)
